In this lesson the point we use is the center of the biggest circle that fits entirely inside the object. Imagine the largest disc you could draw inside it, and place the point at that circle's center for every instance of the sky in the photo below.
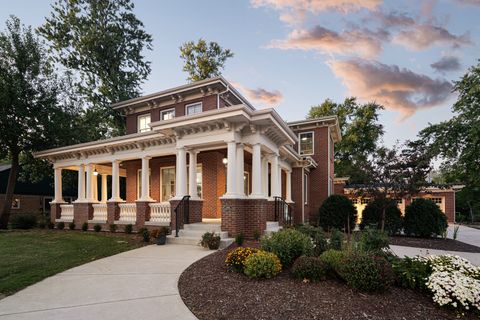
(293, 54)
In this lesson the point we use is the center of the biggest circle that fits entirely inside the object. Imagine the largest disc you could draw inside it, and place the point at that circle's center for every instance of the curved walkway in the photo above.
(137, 284)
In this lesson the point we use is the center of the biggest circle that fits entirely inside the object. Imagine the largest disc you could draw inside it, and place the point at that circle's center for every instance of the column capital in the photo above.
(230, 141)
(147, 157)
(193, 151)
(178, 148)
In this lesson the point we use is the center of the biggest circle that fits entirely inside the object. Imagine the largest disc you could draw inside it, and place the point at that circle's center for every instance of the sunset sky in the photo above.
(295, 54)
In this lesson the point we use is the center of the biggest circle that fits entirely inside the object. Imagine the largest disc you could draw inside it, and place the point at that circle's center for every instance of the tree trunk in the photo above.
(382, 223)
(12, 180)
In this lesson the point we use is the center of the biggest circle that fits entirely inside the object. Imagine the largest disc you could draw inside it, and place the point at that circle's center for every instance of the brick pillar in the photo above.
(196, 207)
(255, 216)
(55, 211)
(113, 212)
(143, 213)
(82, 212)
(233, 216)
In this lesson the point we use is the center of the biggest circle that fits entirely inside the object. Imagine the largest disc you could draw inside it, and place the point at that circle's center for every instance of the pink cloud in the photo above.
(396, 88)
(269, 97)
(426, 35)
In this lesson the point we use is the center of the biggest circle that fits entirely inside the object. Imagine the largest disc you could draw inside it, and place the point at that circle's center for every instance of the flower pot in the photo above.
(161, 240)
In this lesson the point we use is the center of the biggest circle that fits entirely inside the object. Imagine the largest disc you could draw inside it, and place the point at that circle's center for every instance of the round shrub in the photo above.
(366, 272)
(317, 235)
(113, 228)
(288, 244)
(332, 260)
(372, 216)
(236, 257)
(97, 228)
(128, 228)
(262, 264)
(23, 221)
(84, 226)
(71, 225)
(61, 225)
(423, 218)
(311, 268)
(374, 240)
(335, 212)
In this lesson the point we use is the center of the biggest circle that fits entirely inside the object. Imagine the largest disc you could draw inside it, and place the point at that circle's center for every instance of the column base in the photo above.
(55, 210)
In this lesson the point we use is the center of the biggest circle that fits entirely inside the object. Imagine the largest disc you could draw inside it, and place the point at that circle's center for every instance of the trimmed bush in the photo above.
(288, 245)
(23, 221)
(310, 268)
(128, 228)
(372, 216)
(336, 240)
(113, 228)
(317, 235)
(97, 228)
(61, 225)
(423, 218)
(51, 225)
(332, 260)
(335, 212)
(71, 225)
(262, 265)
(411, 273)
(85, 226)
(210, 240)
(239, 239)
(373, 240)
(365, 271)
(236, 258)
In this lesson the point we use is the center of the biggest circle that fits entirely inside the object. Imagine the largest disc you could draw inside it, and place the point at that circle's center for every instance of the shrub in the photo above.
(411, 273)
(210, 240)
(332, 260)
(61, 225)
(71, 225)
(97, 228)
(128, 229)
(335, 212)
(372, 215)
(423, 218)
(287, 244)
(317, 235)
(311, 268)
(42, 224)
(144, 233)
(236, 257)
(239, 239)
(336, 240)
(256, 235)
(50, 225)
(262, 265)
(113, 228)
(23, 221)
(85, 226)
(373, 240)
(365, 271)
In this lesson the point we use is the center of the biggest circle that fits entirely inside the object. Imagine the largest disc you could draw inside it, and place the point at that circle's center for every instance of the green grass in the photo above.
(27, 257)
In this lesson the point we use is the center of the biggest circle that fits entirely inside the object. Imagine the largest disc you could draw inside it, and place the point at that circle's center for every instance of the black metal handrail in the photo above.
(182, 211)
(283, 211)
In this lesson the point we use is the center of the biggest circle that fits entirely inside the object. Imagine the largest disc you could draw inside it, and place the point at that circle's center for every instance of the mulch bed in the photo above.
(211, 291)
(434, 243)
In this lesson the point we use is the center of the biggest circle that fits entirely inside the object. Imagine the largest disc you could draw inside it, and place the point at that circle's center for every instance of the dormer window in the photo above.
(167, 114)
(143, 123)
(306, 143)
(193, 108)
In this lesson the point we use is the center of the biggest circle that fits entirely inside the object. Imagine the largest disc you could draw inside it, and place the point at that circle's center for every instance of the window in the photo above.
(139, 183)
(354, 200)
(306, 143)
(437, 200)
(143, 123)
(167, 177)
(15, 203)
(365, 201)
(246, 183)
(399, 201)
(167, 114)
(193, 108)
(305, 187)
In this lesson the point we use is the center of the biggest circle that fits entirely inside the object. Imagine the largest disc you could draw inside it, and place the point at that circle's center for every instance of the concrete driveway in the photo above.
(138, 284)
(466, 235)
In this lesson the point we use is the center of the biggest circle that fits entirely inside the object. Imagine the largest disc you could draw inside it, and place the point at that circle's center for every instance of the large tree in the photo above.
(34, 113)
(361, 133)
(102, 43)
(203, 60)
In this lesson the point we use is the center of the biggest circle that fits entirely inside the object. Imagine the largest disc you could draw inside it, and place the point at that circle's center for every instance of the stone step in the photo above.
(203, 227)
(171, 239)
(199, 233)
(272, 224)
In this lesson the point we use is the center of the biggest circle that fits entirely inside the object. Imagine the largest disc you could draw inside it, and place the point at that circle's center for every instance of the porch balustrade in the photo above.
(66, 212)
(128, 212)
(100, 212)
(159, 213)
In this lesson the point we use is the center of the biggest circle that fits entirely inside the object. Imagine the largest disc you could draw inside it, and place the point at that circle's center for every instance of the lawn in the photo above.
(30, 256)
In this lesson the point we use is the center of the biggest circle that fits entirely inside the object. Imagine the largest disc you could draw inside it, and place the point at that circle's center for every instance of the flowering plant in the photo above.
(236, 258)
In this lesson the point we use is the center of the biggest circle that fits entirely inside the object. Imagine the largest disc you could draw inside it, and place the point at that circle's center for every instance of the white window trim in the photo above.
(300, 141)
(166, 110)
(138, 121)
(161, 181)
(192, 104)
(247, 181)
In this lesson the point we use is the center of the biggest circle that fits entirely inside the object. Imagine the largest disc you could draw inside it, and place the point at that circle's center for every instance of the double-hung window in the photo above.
(167, 114)
(193, 108)
(306, 143)
(143, 123)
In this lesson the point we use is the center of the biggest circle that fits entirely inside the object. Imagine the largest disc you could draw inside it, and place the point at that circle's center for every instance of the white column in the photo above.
(145, 196)
(240, 170)
(274, 181)
(58, 186)
(257, 174)
(115, 182)
(192, 174)
(89, 195)
(104, 188)
(288, 182)
(231, 169)
(280, 184)
(81, 183)
(95, 187)
(181, 174)
(265, 176)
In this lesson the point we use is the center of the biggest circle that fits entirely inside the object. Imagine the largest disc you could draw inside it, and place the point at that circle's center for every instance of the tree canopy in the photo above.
(203, 60)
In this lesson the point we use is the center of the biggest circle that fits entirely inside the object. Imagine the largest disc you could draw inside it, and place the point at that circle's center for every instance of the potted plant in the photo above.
(162, 235)
(210, 240)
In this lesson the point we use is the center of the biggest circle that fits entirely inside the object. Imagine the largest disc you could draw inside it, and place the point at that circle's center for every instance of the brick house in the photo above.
(241, 167)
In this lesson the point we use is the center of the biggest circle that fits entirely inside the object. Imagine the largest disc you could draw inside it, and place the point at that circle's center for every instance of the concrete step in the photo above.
(199, 233)
(210, 227)
(272, 224)
(194, 241)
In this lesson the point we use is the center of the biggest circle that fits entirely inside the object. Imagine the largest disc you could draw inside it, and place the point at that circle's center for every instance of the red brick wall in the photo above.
(297, 194)
(28, 203)
(246, 216)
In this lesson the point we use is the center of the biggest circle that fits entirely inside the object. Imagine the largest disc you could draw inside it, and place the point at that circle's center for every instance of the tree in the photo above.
(102, 44)
(33, 115)
(457, 141)
(360, 130)
(202, 60)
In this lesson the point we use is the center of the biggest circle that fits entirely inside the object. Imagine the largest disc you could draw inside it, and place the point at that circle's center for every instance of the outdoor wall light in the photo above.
(225, 161)
(95, 172)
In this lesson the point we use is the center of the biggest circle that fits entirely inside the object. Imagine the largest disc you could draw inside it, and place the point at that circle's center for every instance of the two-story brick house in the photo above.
(240, 166)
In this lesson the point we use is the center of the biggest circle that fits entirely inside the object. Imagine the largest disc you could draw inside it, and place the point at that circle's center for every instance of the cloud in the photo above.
(393, 19)
(470, 2)
(366, 43)
(447, 63)
(396, 88)
(426, 35)
(261, 95)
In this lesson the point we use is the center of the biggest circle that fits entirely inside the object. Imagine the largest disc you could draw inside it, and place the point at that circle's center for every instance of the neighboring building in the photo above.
(442, 195)
(205, 140)
(28, 197)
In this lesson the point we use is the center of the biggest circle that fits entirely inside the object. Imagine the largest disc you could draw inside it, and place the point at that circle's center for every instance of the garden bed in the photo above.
(434, 243)
(212, 291)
